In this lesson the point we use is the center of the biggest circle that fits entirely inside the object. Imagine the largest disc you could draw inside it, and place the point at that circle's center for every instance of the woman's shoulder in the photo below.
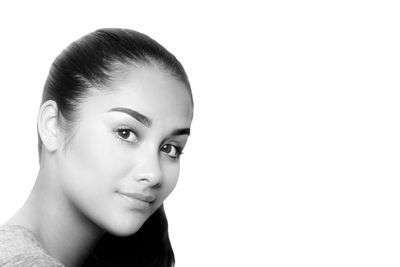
(20, 247)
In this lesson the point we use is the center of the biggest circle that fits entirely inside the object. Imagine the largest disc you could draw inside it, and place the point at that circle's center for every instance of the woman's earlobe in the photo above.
(48, 125)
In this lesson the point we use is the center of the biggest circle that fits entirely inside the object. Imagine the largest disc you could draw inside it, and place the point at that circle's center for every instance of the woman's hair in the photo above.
(150, 246)
(91, 64)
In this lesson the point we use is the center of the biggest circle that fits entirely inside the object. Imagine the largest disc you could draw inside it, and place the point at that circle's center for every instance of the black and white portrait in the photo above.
(208, 133)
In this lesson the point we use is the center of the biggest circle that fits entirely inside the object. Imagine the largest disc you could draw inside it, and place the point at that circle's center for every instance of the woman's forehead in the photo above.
(151, 91)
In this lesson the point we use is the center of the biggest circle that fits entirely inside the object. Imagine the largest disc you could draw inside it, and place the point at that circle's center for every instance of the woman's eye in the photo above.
(172, 150)
(126, 135)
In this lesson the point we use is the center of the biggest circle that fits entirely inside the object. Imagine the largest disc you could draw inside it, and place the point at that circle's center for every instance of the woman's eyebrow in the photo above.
(182, 131)
(134, 114)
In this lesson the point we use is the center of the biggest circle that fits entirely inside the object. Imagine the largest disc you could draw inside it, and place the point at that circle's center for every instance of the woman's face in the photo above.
(123, 160)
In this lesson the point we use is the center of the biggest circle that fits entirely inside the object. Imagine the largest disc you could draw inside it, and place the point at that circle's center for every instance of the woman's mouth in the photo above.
(138, 201)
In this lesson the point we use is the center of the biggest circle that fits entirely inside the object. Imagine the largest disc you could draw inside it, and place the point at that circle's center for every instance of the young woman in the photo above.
(115, 116)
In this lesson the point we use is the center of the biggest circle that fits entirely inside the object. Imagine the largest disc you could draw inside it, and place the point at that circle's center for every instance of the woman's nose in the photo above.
(149, 171)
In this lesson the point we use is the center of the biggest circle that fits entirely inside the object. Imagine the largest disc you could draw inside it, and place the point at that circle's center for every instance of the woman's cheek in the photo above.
(94, 158)
(103, 154)
(171, 175)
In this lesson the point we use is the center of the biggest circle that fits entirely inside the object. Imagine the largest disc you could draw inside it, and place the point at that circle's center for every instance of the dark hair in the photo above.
(149, 246)
(90, 64)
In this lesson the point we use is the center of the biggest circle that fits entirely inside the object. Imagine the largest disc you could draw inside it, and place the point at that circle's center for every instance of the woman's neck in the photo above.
(63, 231)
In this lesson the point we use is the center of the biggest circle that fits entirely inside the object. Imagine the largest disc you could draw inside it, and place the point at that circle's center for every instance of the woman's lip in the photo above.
(139, 196)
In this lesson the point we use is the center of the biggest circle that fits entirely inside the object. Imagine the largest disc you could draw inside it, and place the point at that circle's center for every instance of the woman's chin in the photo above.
(125, 228)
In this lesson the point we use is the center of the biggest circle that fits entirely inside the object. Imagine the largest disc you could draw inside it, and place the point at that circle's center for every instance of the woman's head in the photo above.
(94, 61)
(115, 115)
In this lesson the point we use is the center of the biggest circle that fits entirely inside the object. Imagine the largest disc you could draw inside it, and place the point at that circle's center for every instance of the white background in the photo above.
(294, 155)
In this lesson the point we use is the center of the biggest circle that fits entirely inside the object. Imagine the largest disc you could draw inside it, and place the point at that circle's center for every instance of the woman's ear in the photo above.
(48, 125)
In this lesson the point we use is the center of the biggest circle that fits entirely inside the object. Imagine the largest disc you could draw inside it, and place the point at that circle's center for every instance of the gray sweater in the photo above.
(20, 247)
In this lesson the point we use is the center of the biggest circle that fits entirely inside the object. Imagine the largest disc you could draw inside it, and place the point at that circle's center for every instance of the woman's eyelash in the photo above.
(127, 129)
(179, 150)
(166, 148)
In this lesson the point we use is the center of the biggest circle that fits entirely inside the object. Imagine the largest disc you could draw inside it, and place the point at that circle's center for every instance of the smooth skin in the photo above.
(78, 194)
